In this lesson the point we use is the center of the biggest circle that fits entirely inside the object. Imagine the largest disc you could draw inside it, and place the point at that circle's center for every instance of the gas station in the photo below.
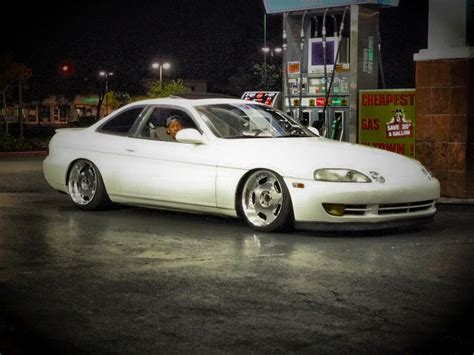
(330, 52)
(333, 80)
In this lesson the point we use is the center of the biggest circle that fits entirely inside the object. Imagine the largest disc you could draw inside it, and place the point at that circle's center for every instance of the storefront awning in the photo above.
(279, 6)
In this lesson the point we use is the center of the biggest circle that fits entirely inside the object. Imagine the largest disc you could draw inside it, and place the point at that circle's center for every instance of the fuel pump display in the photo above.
(328, 57)
(319, 94)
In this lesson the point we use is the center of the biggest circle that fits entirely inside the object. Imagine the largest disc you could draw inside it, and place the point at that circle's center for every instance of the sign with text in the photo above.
(387, 120)
(279, 6)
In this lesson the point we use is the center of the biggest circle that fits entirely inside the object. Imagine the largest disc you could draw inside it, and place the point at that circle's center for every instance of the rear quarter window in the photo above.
(123, 122)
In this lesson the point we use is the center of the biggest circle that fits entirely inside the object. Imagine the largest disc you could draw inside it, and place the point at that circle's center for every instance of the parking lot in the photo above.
(134, 280)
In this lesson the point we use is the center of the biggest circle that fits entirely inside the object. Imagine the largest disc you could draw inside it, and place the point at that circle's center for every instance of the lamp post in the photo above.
(159, 66)
(265, 51)
(272, 51)
(106, 75)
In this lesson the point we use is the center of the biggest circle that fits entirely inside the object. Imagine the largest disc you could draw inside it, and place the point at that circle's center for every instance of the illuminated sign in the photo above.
(320, 101)
(266, 97)
(90, 100)
(294, 67)
(387, 120)
(278, 6)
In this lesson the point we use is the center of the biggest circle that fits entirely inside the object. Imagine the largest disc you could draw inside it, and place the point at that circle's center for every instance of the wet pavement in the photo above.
(133, 280)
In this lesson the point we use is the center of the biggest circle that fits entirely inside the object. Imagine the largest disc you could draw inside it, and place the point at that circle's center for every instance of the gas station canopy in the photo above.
(279, 6)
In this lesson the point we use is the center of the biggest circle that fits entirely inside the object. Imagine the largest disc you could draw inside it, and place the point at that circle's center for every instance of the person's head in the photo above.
(173, 125)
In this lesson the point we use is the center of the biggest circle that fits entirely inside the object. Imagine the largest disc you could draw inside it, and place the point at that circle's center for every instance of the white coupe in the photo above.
(241, 159)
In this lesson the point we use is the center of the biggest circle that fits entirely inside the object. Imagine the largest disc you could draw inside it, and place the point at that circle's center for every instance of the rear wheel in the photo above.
(86, 187)
(266, 202)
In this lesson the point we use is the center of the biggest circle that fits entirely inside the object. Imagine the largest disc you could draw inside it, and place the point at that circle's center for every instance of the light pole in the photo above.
(272, 51)
(106, 75)
(159, 66)
(265, 51)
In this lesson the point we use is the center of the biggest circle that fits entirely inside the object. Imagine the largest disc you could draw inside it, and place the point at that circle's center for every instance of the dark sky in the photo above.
(205, 39)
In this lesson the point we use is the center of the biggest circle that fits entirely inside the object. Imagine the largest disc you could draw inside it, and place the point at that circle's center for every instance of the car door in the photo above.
(106, 150)
(159, 169)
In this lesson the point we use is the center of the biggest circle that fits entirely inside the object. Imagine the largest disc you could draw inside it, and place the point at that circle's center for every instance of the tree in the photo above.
(11, 74)
(118, 99)
(64, 104)
(250, 78)
(158, 89)
(22, 74)
(7, 80)
(99, 103)
(273, 76)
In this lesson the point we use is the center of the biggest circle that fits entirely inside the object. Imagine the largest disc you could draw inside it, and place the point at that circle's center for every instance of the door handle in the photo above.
(130, 150)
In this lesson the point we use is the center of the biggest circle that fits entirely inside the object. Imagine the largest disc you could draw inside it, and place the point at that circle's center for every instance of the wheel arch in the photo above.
(71, 164)
(240, 186)
(103, 201)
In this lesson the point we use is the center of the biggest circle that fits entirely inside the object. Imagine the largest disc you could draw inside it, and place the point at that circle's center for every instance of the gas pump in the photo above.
(329, 54)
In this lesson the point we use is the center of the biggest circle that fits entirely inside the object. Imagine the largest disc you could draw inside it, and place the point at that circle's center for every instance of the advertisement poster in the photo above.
(267, 97)
(294, 67)
(387, 120)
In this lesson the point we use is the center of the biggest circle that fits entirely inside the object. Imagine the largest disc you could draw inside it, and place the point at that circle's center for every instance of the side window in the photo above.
(159, 123)
(122, 123)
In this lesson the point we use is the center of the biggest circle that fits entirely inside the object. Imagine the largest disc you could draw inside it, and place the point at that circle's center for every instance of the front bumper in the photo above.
(364, 226)
(308, 201)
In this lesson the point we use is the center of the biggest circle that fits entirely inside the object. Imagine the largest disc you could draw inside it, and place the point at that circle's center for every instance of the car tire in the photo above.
(265, 202)
(86, 187)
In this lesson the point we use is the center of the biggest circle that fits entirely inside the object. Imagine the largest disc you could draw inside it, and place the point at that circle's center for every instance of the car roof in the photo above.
(202, 95)
(189, 102)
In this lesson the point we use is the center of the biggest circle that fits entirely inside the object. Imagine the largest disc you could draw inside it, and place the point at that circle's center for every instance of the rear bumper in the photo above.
(55, 174)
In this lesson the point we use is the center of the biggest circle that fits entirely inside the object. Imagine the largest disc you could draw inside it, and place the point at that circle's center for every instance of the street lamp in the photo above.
(272, 51)
(265, 51)
(159, 66)
(106, 75)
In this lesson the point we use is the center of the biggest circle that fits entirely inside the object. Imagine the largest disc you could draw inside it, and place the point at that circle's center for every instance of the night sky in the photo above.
(207, 39)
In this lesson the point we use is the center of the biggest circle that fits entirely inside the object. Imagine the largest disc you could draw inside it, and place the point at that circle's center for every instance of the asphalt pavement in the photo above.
(134, 280)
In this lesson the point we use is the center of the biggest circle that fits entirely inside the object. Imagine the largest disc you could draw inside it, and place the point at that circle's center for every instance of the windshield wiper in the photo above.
(246, 137)
(292, 135)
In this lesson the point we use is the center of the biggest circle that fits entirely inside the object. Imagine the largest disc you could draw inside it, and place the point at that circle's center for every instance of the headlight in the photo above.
(428, 173)
(340, 175)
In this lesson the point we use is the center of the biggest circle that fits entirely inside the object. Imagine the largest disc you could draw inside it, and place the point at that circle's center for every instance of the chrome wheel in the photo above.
(83, 181)
(263, 198)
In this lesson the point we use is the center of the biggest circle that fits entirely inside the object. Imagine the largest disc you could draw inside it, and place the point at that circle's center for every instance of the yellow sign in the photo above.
(387, 120)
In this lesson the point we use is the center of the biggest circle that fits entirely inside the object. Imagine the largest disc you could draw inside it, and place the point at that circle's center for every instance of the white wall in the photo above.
(446, 31)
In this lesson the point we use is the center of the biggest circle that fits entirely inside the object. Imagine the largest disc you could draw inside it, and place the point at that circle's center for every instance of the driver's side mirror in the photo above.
(314, 130)
(190, 136)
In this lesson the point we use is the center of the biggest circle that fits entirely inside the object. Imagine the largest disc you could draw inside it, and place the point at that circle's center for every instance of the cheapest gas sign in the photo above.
(387, 120)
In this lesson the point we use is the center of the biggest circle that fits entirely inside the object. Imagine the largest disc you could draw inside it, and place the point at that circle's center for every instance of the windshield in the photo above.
(244, 120)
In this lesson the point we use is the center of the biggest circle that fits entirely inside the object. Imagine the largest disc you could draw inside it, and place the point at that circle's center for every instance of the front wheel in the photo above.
(86, 187)
(266, 202)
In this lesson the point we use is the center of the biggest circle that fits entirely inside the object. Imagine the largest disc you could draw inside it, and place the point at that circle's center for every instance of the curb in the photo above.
(455, 201)
(41, 153)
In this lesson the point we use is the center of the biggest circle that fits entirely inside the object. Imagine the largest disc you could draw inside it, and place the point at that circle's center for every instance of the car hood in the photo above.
(299, 157)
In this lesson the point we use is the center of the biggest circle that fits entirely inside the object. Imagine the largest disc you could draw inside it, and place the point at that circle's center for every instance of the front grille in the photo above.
(340, 210)
(408, 207)
(356, 210)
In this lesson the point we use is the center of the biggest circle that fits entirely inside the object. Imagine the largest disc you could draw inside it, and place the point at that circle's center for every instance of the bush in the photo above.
(164, 90)
(41, 132)
(9, 143)
(82, 122)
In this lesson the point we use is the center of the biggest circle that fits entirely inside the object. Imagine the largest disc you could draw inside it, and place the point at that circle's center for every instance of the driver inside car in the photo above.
(173, 126)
